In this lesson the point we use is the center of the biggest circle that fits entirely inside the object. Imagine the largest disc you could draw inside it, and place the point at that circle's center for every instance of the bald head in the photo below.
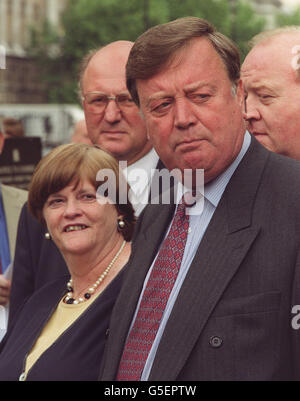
(266, 35)
(115, 52)
(118, 129)
(286, 42)
(104, 61)
(270, 75)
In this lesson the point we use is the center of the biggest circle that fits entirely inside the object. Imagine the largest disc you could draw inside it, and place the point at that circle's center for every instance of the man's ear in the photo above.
(1, 141)
(240, 94)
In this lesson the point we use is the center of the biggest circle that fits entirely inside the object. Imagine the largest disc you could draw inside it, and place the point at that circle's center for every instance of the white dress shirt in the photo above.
(139, 176)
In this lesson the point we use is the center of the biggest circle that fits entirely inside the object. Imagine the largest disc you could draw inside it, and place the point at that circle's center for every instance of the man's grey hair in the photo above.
(82, 68)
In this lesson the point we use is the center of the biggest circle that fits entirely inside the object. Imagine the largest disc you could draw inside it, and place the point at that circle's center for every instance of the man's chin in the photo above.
(117, 148)
(264, 140)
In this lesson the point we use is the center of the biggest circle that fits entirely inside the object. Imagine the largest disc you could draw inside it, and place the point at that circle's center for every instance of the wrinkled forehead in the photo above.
(108, 76)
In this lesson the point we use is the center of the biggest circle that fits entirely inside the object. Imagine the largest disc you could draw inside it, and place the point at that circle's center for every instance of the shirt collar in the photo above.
(148, 164)
(214, 190)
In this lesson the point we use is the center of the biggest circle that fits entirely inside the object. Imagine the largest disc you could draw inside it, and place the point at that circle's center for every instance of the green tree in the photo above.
(244, 24)
(88, 24)
(283, 19)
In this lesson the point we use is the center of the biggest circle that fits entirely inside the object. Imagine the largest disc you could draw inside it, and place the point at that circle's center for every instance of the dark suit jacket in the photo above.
(232, 318)
(13, 200)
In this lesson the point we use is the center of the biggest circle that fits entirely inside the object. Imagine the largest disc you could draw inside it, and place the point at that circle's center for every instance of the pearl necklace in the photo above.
(69, 299)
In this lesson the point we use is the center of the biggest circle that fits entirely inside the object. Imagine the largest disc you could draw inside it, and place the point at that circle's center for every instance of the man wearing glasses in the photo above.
(115, 124)
(112, 118)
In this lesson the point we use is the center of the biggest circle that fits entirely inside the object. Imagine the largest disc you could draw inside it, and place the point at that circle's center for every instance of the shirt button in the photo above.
(107, 333)
(189, 230)
(216, 342)
(22, 377)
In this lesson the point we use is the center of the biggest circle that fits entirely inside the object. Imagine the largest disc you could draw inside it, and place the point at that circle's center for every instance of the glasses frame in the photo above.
(109, 98)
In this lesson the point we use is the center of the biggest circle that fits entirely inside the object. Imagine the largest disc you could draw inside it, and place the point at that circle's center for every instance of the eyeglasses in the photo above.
(97, 102)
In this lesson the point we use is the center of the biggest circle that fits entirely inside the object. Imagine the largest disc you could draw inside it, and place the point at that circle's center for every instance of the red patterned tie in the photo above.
(155, 298)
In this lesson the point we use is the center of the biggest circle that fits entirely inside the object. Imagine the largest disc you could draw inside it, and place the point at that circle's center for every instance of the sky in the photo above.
(290, 4)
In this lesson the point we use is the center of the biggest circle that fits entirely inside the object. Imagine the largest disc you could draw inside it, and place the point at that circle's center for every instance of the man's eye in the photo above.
(199, 97)
(264, 96)
(125, 100)
(161, 107)
(99, 99)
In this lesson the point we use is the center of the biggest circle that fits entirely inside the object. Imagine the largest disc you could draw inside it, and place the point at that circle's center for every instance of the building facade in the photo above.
(19, 75)
(268, 9)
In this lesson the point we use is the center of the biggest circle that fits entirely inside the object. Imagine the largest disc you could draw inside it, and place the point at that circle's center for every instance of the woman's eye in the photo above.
(55, 202)
(88, 197)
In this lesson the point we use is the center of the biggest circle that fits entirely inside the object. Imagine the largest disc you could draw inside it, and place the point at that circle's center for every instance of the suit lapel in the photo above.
(220, 254)
(212, 269)
(13, 201)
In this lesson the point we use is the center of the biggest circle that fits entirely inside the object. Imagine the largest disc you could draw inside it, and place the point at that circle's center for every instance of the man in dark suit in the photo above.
(11, 202)
(118, 129)
(228, 310)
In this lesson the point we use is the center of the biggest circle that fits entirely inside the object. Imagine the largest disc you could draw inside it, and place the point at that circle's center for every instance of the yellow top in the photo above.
(62, 318)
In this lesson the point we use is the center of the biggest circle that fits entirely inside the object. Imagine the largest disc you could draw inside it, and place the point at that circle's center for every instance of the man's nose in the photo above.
(251, 111)
(112, 112)
(184, 114)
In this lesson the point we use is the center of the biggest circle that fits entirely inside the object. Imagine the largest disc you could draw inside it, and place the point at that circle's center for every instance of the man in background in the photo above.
(80, 134)
(12, 128)
(11, 202)
(115, 124)
(4, 248)
(112, 118)
(271, 80)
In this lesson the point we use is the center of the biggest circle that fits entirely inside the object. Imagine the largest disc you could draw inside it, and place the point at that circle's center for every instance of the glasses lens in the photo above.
(96, 102)
(124, 101)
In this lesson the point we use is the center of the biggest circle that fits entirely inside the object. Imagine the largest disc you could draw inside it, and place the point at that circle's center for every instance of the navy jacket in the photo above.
(76, 355)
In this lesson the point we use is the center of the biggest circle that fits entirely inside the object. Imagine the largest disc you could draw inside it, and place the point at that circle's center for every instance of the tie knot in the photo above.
(190, 198)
